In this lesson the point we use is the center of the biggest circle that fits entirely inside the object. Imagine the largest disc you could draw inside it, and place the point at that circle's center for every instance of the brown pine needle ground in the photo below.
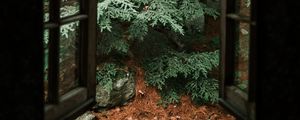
(144, 107)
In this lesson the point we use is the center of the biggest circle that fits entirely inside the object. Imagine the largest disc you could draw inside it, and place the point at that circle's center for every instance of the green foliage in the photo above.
(248, 3)
(113, 42)
(150, 28)
(193, 9)
(203, 90)
(139, 28)
(105, 76)
(108, 73)
(46, 39)
(216, 42)
(142, 15)
(168, 97)
(242, 84)
(107, 10)
(66, 29)
(178, 70)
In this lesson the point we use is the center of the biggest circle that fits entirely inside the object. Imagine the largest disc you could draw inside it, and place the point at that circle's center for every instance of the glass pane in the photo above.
(242, 48)
(46, 10)
(46, 51)
(68, 57)
(69, 7)
(245, 7)
(242, 57)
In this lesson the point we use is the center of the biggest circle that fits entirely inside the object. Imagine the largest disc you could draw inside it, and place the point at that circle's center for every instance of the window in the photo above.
(69, 46)
(238, 51)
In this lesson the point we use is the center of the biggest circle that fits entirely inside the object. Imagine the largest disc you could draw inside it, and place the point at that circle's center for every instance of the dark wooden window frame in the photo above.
(239, 103)
(80, 98)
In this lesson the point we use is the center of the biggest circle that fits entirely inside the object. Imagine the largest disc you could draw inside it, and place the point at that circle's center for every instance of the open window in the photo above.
(238, 25)
(69, 46)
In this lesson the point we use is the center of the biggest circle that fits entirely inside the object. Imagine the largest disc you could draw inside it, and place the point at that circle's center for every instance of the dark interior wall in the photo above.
(278, 60)
(21, 60)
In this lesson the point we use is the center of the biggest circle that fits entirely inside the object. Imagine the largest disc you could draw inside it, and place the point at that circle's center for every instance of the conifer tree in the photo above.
(164, 28)
(134, 19)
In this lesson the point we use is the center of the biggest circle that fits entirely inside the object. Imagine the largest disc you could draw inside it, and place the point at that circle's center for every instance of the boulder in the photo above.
(86, 116)
(123, 90)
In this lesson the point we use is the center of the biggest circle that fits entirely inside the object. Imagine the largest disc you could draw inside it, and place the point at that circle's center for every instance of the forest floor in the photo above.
(144, 106)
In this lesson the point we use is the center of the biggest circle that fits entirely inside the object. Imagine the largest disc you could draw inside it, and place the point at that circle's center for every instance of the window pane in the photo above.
(69, 7)
(46, 51)
(68, 57)
(242, 57)
(242, 48)
(46, 10)
(245, 7)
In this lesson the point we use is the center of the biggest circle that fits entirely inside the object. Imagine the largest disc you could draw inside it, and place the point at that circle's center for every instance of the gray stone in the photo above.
(86, 116)
(123, 90)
